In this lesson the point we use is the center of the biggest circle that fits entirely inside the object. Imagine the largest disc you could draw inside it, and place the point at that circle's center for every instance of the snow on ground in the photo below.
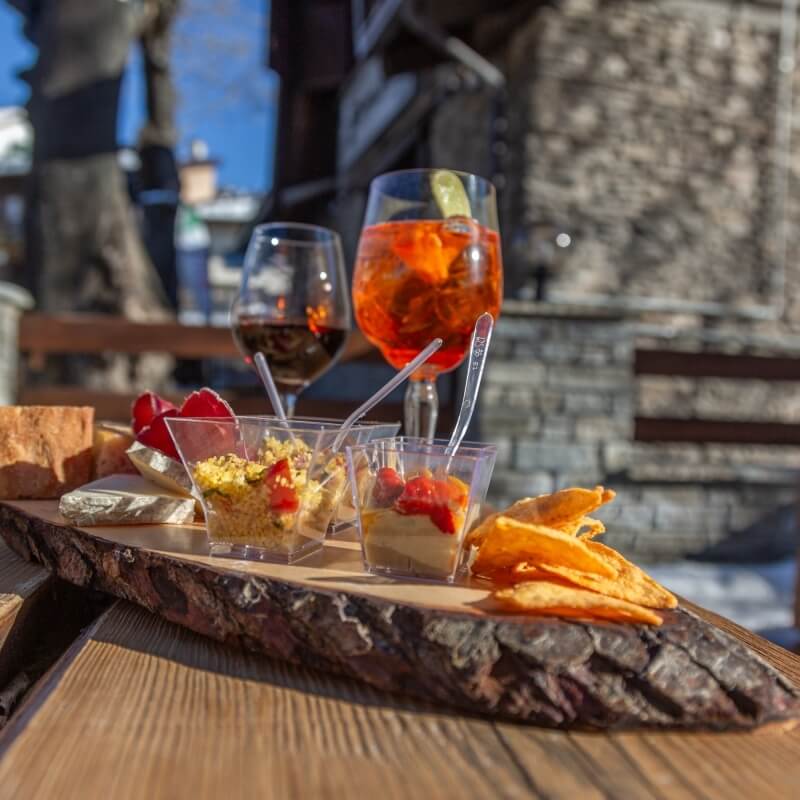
(757, 596)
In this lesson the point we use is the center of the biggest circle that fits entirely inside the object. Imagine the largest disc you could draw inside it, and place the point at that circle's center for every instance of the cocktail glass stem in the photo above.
(421, 408)
(289, 400)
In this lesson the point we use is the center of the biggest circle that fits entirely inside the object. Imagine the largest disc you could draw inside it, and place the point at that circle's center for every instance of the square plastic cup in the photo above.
(268, 492)
(344, 517)
(415, 504)
(407, 442)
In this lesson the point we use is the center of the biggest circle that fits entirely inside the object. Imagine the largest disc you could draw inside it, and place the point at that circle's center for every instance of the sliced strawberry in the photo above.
(419, 496)
(443, 518)
(146, 408)
(388, 487)
(282, 496)
(205, 403)
(430, 497)
(156, 435)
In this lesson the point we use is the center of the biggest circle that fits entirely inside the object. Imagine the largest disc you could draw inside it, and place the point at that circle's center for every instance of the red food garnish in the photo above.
(282, 496)
(156, 435)
(146, 408)
(388, 487)
(443, 518)
(429, 497)
(205, 403)
(149, 410)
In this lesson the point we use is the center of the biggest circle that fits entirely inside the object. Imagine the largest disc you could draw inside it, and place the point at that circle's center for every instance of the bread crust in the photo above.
(44, 450)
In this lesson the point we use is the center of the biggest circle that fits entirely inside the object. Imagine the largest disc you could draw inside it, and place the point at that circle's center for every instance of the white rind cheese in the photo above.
(160, 469)
(125, 500)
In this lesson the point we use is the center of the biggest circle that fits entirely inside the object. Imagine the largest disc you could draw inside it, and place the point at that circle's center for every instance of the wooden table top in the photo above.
(139, 707)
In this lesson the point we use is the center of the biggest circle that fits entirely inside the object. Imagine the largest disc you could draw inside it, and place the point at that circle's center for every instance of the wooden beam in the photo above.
(716, 365)
(103, 333)
(648, 429)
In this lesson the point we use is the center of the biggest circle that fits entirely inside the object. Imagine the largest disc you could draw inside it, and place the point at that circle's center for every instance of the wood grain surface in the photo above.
(140, 707)
(437, 642)
(19, 581)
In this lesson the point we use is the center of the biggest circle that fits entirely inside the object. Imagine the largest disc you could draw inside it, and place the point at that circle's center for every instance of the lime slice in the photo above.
(450, 195)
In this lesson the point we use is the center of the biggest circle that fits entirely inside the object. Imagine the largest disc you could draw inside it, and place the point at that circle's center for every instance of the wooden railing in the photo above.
(43, 335)
(675, 363)
(91, 334)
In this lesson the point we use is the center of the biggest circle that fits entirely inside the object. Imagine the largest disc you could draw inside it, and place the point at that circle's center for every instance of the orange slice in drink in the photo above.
(422, 250)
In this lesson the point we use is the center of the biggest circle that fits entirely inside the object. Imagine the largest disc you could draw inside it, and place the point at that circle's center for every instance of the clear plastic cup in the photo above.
(415, 504)
(268, 491)
(344, 517)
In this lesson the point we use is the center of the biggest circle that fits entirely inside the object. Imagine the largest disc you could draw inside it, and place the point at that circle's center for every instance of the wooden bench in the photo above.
(681, 364)
(139, 707)
(675, 363)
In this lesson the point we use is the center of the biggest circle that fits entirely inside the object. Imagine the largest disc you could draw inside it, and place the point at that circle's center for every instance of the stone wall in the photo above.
(559, 400)
(645, 130)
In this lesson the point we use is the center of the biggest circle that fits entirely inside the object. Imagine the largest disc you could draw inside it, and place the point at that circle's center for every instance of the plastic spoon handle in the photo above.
(479, 347)
(409, 368)
(263, 370)
(269, 384)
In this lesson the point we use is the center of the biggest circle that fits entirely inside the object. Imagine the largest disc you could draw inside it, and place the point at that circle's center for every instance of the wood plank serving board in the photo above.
(441, 643)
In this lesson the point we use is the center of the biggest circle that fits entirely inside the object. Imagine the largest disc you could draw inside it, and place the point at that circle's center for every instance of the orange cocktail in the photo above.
(418, 279)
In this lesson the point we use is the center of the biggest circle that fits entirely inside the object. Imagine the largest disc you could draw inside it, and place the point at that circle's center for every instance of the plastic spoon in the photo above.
(385, 390)
(478, 349)
(263, 370)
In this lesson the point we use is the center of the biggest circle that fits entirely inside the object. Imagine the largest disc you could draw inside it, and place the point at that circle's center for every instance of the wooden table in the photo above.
(139, 707)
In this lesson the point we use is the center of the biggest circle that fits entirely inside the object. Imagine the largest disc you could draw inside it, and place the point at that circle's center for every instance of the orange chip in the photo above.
(629, 574)
(593, 528)
(558, 600)
(553, 510)
(508, 542)
(631, 583)
(576, 527)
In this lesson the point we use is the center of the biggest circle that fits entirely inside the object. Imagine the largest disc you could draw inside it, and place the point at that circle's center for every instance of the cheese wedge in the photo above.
(109, 446)
(125, 500)
(160, 469)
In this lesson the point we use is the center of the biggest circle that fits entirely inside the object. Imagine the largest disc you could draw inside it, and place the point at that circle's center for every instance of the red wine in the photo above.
(296, 354)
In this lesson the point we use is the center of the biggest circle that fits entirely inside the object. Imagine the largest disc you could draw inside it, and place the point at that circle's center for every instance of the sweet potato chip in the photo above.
(572, 527)
(508, 541)
(509, 576)
(553, 510)
(557, 600)
(629, 574)
(631, 583)
(593, 527)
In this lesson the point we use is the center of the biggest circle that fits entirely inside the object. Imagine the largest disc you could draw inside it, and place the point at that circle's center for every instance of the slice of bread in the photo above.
(44, 450)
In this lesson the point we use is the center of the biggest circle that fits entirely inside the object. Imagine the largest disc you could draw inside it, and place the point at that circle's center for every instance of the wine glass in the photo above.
(293, 304)
(428, 265)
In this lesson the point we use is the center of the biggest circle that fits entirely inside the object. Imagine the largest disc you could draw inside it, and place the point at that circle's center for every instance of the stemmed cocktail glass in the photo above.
(428, 266)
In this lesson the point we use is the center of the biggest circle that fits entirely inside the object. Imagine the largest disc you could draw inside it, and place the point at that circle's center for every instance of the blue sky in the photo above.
(225, 94)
